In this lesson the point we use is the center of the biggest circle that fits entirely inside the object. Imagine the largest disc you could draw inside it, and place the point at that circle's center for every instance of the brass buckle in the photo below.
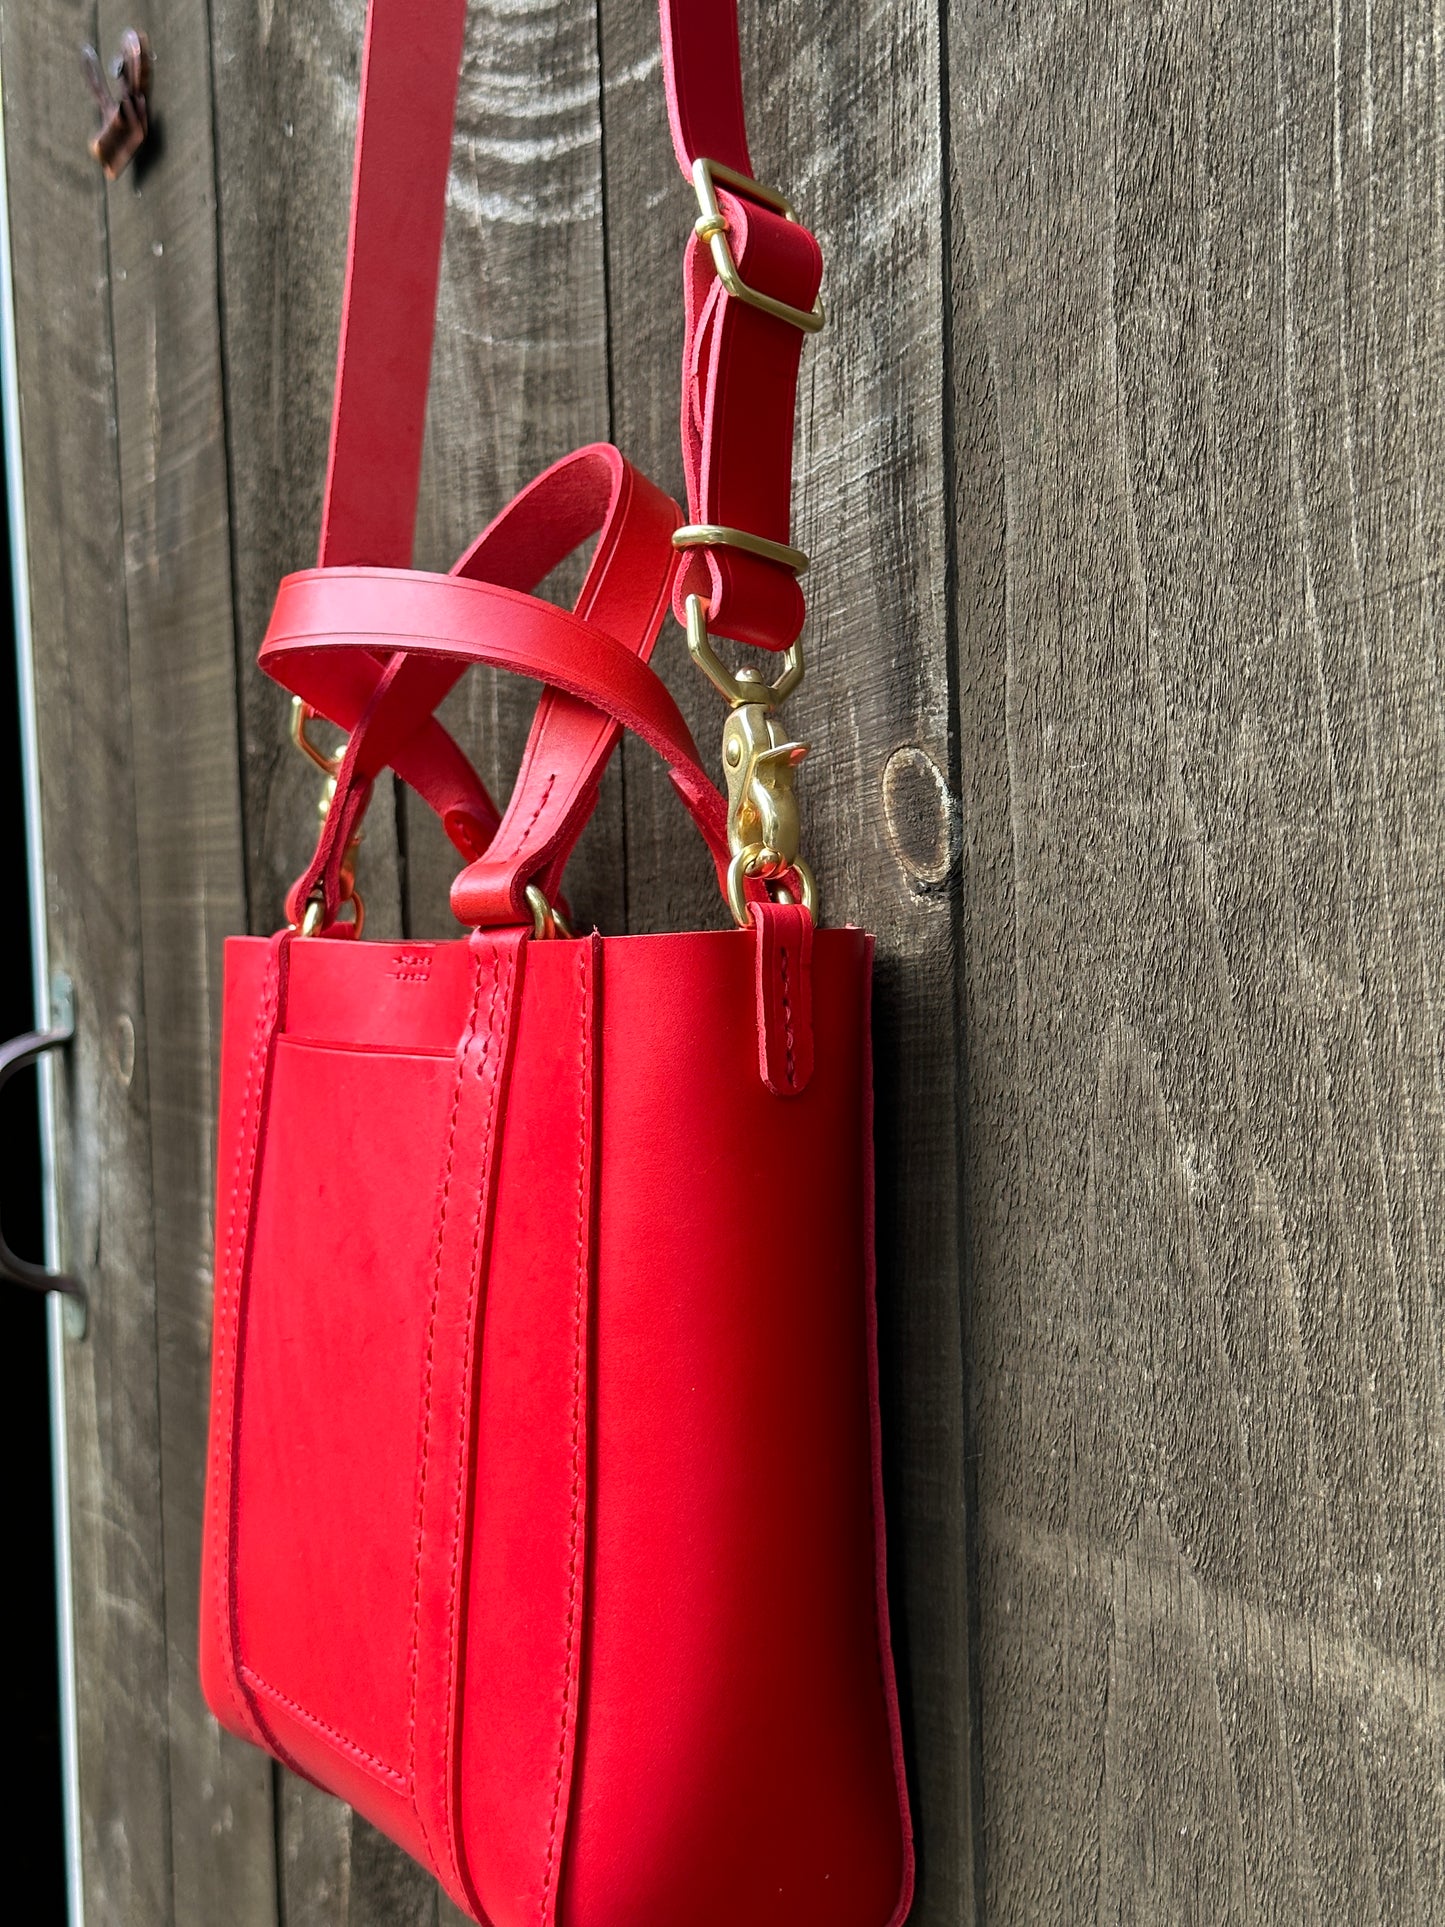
(717, 535)
(712, 226)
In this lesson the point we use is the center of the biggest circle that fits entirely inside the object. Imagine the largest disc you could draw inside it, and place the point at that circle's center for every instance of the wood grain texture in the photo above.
(176, 516)
(1197, 271)
(75, 558)
(286, 75)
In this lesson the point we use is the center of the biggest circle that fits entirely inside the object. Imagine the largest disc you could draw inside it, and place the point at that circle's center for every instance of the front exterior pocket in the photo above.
(329, 1396)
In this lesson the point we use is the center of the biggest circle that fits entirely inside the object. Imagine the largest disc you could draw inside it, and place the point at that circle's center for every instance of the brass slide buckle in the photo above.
(712, 226)
(717, 535)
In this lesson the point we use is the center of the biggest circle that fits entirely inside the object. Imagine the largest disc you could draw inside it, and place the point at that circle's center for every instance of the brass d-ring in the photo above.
(310, 925)
(547, 921)
(740, 869)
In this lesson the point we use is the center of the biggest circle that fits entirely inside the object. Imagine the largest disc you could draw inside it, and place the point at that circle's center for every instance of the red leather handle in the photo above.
(325, 620)
(385, 698)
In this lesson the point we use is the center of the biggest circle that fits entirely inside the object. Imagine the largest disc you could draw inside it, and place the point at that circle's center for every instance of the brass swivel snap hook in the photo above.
(759, 762)
(763, 830)
(330, 766)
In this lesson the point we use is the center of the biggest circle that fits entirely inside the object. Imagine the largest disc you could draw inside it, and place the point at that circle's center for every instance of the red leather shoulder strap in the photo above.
(409, 69)
(740, 363)
(739, 400)
(703, 75)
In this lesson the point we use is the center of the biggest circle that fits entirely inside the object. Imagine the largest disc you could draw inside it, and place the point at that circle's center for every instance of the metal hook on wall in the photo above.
(125, 119)
(14, 1056)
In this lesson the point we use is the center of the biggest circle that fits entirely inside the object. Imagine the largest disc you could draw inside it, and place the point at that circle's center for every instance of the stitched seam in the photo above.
(220, 1515)
(465, 1046)
(569, 1664)
(532, 822)
(390, 1774)
(787, 1018)
(468, 1346)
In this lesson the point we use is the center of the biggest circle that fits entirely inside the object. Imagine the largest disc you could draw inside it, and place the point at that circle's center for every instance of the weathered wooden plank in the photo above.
(1197, 279)
(519, 372)
(286, 79)
(340, 1870)
(76, 564)
(850, 125)
(175, 511)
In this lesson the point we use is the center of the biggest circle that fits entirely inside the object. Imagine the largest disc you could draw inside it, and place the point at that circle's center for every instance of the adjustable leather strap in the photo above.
(740, 364)
(410, 64)
(411, 58)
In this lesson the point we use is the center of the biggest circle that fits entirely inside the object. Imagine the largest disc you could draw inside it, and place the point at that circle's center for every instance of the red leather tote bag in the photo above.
(544, 1516)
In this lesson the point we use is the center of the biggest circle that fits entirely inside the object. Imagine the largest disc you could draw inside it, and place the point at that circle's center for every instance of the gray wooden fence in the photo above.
(1121, 471)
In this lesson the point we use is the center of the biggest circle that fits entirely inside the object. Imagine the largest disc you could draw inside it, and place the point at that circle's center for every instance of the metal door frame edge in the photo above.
(55, 1304)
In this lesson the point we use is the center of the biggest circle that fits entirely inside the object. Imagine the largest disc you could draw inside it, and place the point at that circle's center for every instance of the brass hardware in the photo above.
(746, 687)
(330, 766)
(124, 121)
(547, 921)
(310, 923)
(717, 535)
(739, 871)
(759, 763)
(712, 227)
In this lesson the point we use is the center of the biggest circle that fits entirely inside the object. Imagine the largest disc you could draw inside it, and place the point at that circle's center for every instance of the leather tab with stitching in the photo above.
(785, 996)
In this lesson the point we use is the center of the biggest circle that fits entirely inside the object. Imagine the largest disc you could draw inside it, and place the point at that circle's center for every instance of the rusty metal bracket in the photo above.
(124, 118)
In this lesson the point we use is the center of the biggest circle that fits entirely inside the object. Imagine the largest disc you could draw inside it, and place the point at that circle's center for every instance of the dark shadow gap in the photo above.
(34, 1817)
